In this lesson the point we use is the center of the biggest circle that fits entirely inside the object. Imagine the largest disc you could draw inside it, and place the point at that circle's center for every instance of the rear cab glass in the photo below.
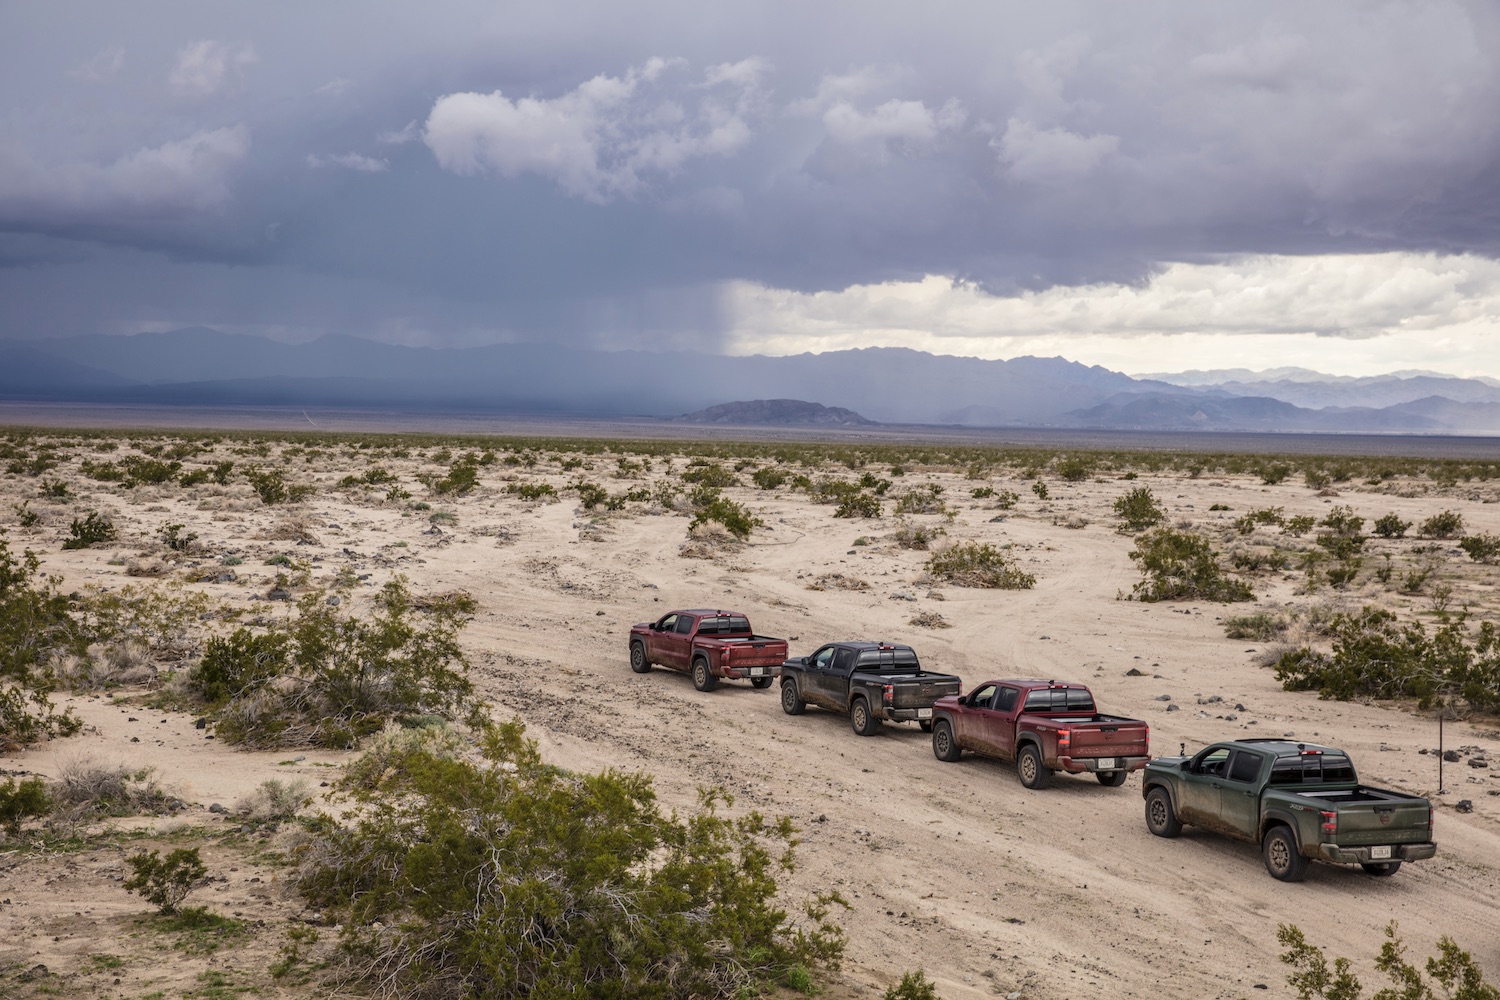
(724, 625)
(890, 660)
(1060, 699)
(1312, 769)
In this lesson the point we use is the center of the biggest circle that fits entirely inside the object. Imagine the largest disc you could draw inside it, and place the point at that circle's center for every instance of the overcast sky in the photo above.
(1148, 186)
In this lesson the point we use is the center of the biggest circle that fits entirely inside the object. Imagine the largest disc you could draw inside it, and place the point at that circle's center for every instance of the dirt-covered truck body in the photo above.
(1299, 801)
(709, 645)
(1044, 726)
(873, 682)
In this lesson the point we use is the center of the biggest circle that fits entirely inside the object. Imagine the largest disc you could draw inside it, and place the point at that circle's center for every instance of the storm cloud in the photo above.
(649, 174)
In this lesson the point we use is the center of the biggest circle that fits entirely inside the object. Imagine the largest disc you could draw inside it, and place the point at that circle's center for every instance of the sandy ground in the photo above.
(954, 868)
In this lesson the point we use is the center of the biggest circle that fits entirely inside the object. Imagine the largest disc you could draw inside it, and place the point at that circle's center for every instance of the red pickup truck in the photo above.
(710, 645)
(1042, 725)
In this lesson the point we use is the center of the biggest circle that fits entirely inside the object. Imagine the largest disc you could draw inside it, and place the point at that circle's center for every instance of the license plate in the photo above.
(1105, 764)
(924, 713)
(1380, 852)
(757, 671)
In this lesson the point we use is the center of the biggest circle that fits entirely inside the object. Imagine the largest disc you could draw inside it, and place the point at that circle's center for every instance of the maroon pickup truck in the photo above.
(710, 645)
(1044, 726)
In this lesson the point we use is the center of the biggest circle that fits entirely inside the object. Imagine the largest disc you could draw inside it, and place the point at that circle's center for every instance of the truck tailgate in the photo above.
(1125, 738)
(921, 692)
(755, 652)
(1399, 821)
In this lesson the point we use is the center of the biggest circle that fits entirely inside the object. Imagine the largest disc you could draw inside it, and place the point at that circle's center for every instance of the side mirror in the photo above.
(807, 661)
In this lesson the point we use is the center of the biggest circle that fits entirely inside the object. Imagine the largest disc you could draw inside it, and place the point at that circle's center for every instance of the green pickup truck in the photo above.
(1298, 801)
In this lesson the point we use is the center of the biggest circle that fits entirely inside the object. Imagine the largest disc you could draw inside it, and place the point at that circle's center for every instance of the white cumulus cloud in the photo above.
(1038, 155)
(207, 67)
(349, 161)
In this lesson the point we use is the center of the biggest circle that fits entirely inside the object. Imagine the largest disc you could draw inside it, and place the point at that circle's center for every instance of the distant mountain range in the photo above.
(205, 367)
(777, 413)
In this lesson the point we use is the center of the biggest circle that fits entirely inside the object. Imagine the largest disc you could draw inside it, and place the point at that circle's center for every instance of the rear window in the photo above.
(724, 625)
(901, 658)
(1312, 769)
(1060, 700)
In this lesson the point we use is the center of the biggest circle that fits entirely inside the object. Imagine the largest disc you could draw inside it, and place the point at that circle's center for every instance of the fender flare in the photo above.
(1279, 817)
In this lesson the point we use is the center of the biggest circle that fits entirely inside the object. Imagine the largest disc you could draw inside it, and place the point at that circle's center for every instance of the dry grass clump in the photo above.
(86, 791)
(116, 664)
(274, 801)
(709, 540)
(838, 581)
(291, 528)
(930, 619)
(976, 564)
(146, 568)
(916, 536)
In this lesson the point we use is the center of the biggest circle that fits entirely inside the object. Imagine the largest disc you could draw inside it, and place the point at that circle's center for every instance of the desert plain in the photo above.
(955, 869)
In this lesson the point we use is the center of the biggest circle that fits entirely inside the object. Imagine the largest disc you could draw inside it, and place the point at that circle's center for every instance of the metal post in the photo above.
(1440, 751)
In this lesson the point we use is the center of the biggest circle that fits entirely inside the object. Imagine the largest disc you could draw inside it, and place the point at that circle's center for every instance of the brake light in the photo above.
(1430, 817)
(726, 654)
(1330, 822)
(1064, 739)
(888, 692)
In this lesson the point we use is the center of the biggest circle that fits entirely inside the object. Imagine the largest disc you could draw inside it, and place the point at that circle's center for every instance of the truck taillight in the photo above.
(1064, 739)
(888, 692)
(1330, 822)
(1430, 818)
(726, 654)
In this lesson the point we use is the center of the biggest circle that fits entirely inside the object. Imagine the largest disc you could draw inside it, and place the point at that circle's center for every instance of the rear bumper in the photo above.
(1361, 855)
(1083, 765)
(737, 672)
(907, 714)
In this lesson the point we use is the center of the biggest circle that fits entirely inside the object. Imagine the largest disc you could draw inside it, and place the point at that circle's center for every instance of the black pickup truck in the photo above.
(872, 681)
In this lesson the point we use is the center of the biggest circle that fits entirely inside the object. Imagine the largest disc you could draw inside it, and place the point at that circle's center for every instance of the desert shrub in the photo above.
(508, 878)
(1040, 489)
(148, 471)
(195, 477)
(88, 790)
(916, 536)
(272, 488)
(1453, 969)
(165, 881)
(1138, 510)
(1391, 526)
(1376, 655)
(1343, 521)
(736, 518)
(1299, 525)
(55, 489)
(1448, 524)
(222, 471)
(1074, 468)
(463, 476)
(175, 538)
(590, 495)
(329, 679)
(768, 478)
(858, 505)
(20, 801)
(36, 626)
(1483, 547)
(976, 564)
(532, 491)
(877, 485)
(913, 986)
(93, 529)
(1248, 521)
(1260, 627)
(1006, 499)
(1254, 560)
(709, 474)
(274, 801)
(982, 492)
(1180, 565)
(924, 499)
(25, 515)
(1272, 473)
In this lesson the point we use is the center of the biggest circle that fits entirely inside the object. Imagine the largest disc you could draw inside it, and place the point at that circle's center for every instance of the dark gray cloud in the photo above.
(466, 171)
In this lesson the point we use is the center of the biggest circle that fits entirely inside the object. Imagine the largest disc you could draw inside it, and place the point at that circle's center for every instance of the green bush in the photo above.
(272, 488)
(175, 538)
(858, 505)
(532, 491)
(1375, 655)
(509, 878)
(1074, 469)
(463, 476)
(975, 564)
(1006, 499)
(1040, 489)
(709, 474)
(1138, 510)
(1483, 547)
(590, 495)
(1260, 627)
(1448, 524)
(913, 986)
(234, 666)
(22, 801)
(768, 478)
(982, 492)
(94, 529)
(165, 881)
(735, 518)
(1391, 526)
(1272, 473)
(1299, 525)
(1248, 521)
(1181, 565)
(1452, 968)
(148, 471)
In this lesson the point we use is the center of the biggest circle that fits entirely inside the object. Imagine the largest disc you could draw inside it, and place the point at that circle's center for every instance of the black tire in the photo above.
(864, 721)
(925, 725)
(703, 677)
(1381, 869)
(791, 700)
(1029, 766)
(1111, 779)
(944, 746)
(1160, 819)
(761, 682)
(1279, 851)
(638, 661)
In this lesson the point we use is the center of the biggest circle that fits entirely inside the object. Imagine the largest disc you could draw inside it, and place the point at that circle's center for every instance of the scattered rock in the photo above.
(216, 808)
(1240, 708)
(200, 723)
(1463, 806)
(279, 594)
(1133, 672)
(1478, 762)
(1452, 756)
(903, 595)
(1174, 708)
(334, 600)
(1163, 697)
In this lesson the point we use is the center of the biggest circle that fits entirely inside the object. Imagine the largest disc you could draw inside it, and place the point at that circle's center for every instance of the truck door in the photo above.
(656, 641)
(1001, 723)
(1201, 782)
(815, 677)
(677, 645)
(836, 686)
(1239, 796)
(968, 724)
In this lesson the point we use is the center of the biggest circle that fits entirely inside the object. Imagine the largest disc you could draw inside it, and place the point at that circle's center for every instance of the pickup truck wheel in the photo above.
(703, 677)
(791, 701)
(1381, 868)
(760, 682)
(1111, 779)
(944, 746)
(1029, 766)
(925, 725)
(1160, 819)
(1279, 850)
(862, 719)
(638, 661)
